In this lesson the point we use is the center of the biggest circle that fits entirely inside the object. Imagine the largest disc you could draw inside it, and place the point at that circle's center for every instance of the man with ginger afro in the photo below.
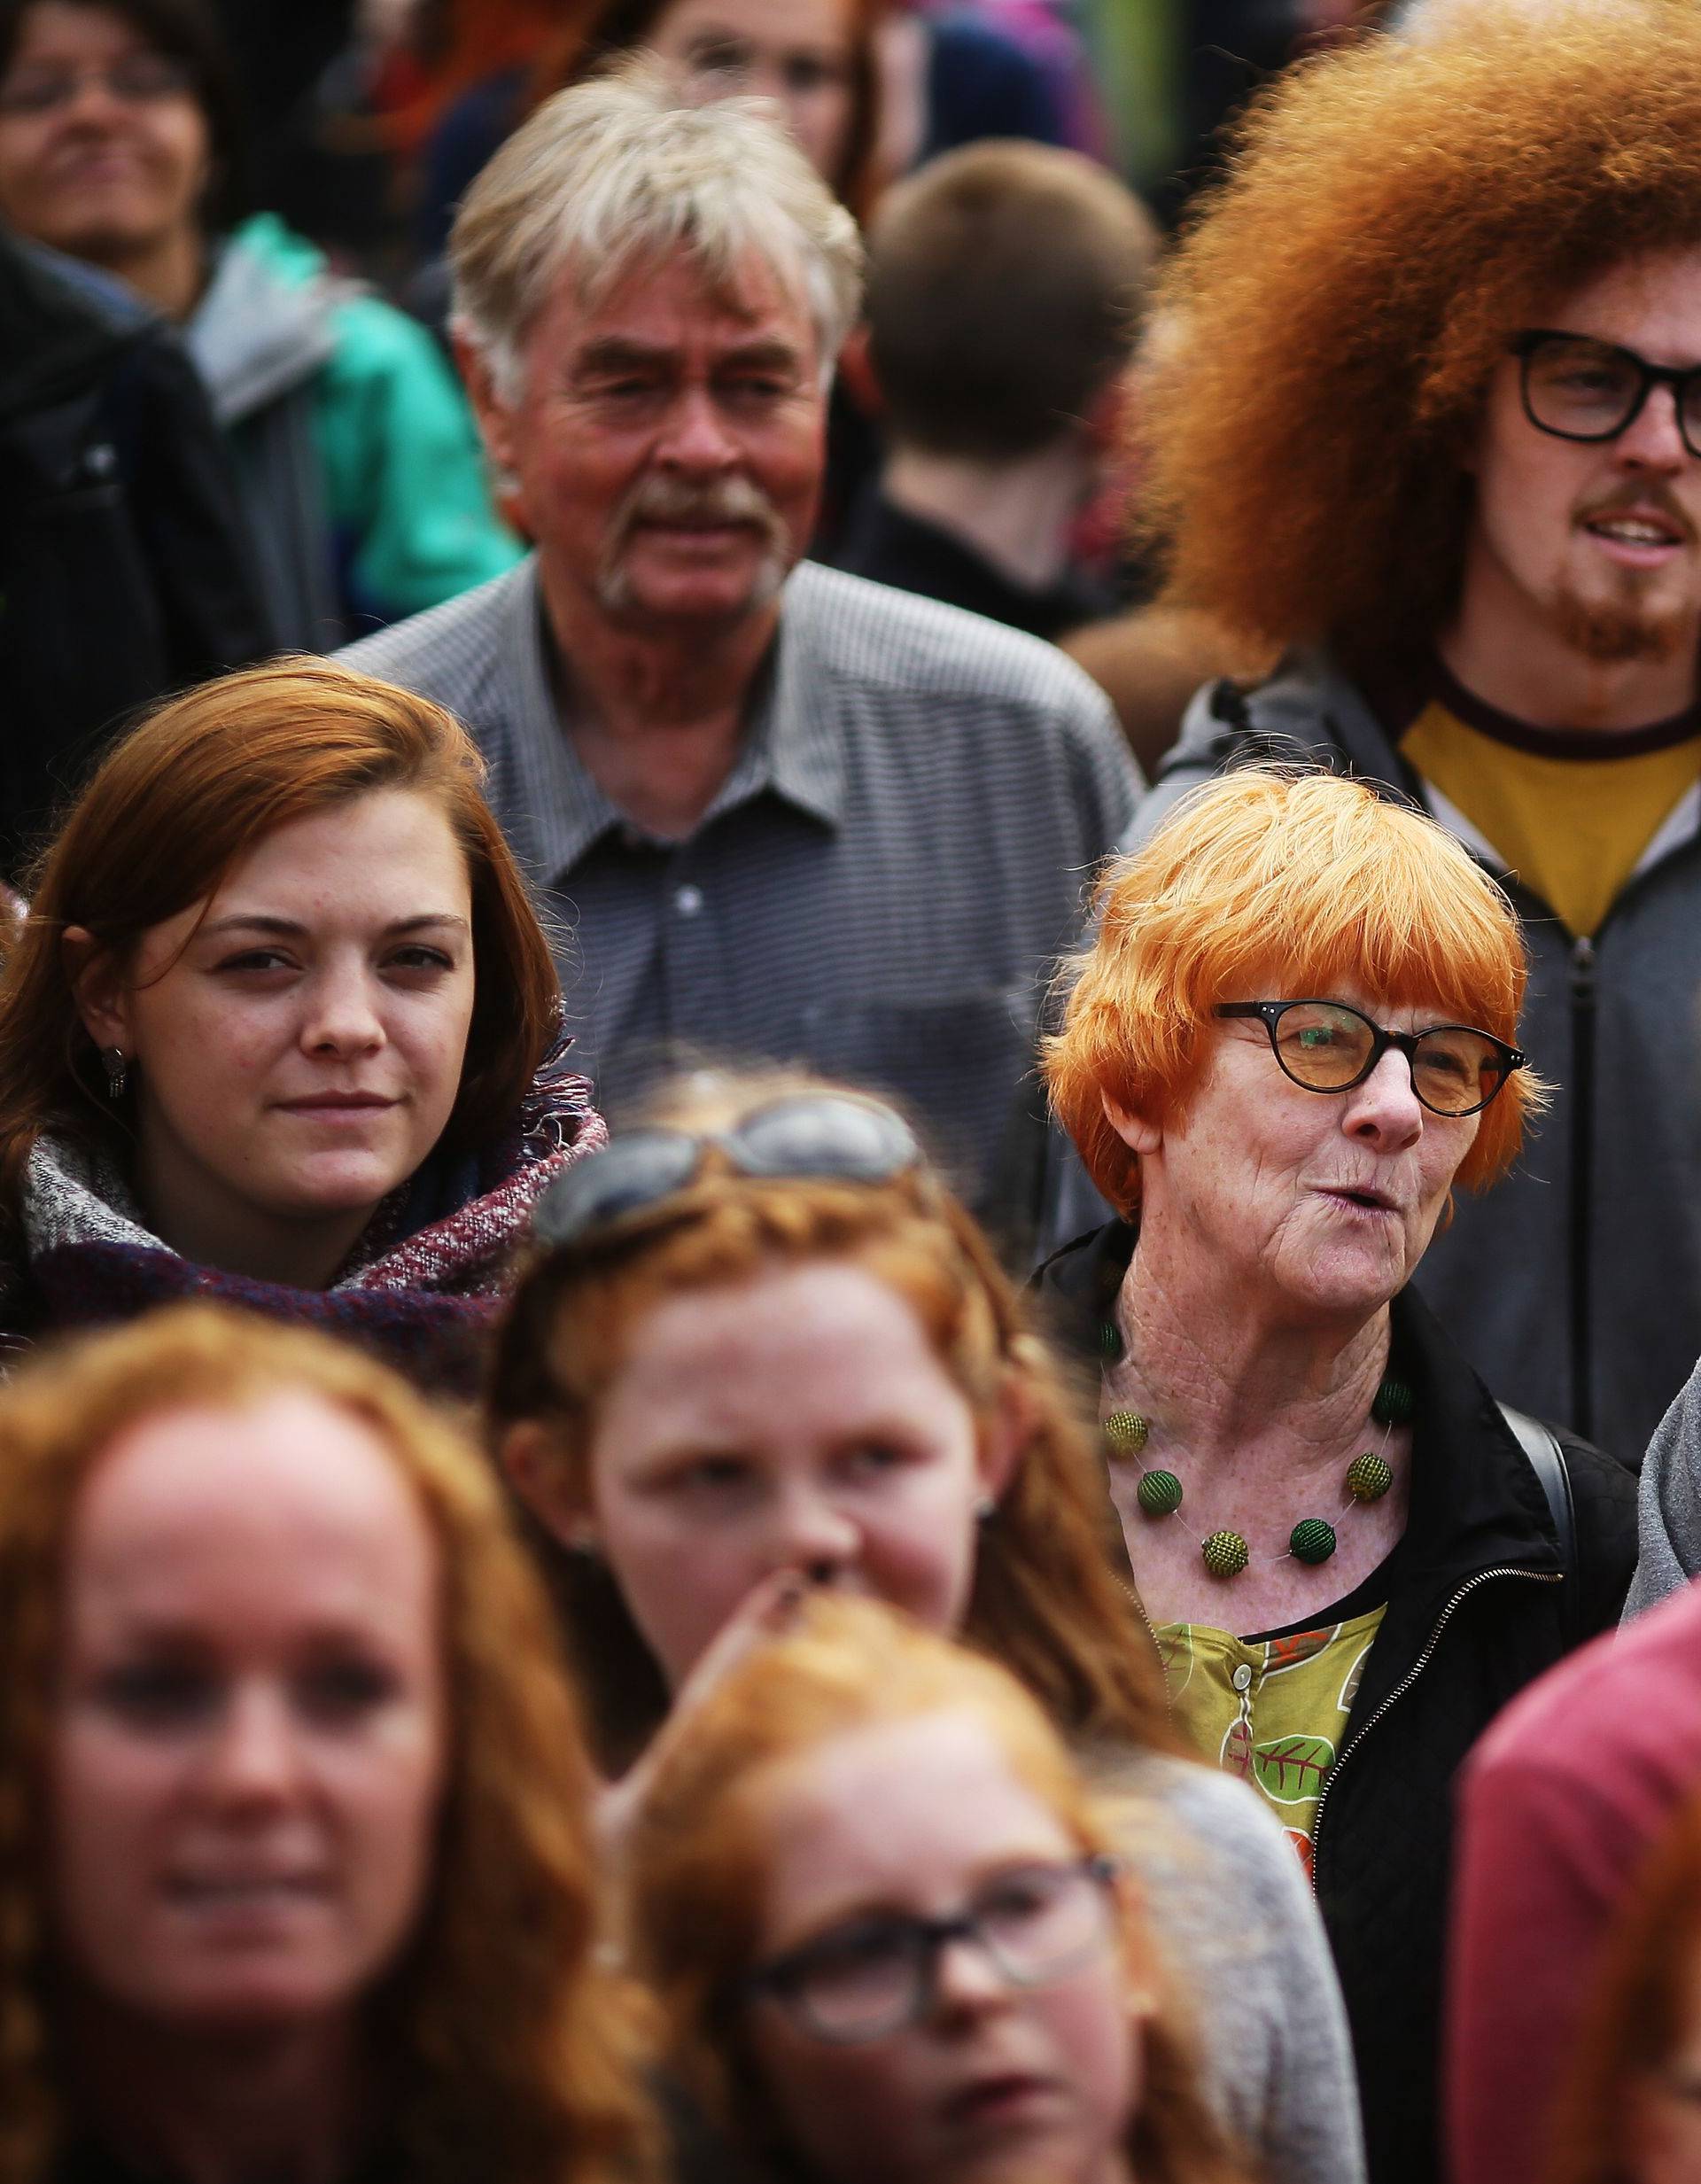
(1414, 421)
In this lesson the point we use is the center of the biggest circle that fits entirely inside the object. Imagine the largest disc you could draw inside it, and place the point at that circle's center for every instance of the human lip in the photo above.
(1363, 1198)
(245, 1891)
(1638, 537)
(1000, 2098)
(332, 1104)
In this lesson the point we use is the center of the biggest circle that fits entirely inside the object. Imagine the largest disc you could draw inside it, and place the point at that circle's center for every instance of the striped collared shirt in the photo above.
(879, 889)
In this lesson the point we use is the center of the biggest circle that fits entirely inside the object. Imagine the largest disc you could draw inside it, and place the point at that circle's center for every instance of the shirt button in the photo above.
(688, 901)
(1241, 1677)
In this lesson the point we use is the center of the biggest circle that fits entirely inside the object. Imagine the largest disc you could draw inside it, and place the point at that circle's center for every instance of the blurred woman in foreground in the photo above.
(295, 1876)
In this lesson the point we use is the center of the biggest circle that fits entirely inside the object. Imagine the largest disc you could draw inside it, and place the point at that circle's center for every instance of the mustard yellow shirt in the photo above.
(1570, 811)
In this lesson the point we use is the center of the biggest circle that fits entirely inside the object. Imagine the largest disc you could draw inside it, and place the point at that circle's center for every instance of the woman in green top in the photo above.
(1292, 1036)
(357, 464)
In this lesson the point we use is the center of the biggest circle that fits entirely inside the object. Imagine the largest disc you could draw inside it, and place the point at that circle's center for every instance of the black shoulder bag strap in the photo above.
(1540, 1444)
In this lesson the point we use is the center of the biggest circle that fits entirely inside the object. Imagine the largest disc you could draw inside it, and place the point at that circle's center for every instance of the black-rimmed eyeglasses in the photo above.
(871, 1977)
(1578, 388)
(831, 1136)
(1329, 1048)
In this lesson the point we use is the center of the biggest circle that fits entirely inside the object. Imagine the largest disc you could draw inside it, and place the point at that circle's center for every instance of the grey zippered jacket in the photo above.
(1573, 1286)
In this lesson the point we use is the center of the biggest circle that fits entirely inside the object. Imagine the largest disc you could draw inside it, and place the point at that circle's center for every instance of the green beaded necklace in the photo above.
(1312, 1540)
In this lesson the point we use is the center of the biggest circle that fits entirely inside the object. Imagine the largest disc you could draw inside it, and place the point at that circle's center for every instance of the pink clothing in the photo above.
(1558, 1802)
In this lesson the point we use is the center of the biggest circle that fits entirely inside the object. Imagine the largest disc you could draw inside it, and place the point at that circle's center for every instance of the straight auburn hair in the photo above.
(179, 802)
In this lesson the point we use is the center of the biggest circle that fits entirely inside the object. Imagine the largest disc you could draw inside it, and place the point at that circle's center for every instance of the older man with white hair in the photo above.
(782, 814)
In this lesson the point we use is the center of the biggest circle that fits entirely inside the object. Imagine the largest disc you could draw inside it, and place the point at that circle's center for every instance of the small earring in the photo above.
(118, 1070)
(584, 1545)
(985, 1510)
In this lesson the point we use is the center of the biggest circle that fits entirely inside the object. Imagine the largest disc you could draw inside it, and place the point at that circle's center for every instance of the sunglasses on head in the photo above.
(830, 1137)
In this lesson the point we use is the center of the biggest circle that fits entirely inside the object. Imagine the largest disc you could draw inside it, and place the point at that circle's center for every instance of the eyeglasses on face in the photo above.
(137, 80)
(832, 1137)
(1329, 1048)
(1578, 388)
(874, 1975)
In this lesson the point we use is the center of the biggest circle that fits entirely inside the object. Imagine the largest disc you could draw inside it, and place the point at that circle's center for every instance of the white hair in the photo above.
(618, 170)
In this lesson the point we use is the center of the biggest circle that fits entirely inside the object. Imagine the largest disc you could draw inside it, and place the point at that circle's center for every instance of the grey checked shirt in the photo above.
(881, 885)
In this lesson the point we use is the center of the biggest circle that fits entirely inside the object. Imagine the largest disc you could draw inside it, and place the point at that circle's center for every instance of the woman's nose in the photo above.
(255, 1759)
(965, 1977)
(1384, 1107)
(813, 1536)
(343, 1015)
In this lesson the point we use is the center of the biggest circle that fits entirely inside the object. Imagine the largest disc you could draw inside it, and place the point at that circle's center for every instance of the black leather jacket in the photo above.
(1477, 1609)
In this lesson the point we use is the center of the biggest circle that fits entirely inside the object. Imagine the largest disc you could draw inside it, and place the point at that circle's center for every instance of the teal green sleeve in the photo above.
(407, 496)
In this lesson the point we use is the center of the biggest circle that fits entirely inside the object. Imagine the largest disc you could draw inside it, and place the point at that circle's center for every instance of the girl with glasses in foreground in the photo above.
(759, 1336)
(890, 1929)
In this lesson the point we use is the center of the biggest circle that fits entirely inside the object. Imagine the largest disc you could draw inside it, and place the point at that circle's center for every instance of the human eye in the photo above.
(720, 56)
(421, 960)
(341, 1690)
(716, 1474)
(255, 961)
(862, 1948)
(36, 94)
(810, 72)
(159, 1694)
(875, 1456)
(148, 75)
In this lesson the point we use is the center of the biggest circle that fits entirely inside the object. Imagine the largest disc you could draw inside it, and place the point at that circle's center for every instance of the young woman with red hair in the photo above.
(893, 1929)
(761, 1336)
(282, 1025)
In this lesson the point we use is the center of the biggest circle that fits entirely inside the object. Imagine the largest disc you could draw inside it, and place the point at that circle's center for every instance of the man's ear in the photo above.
(103, 999)
(489, 406)
(857, 369)
(532, 1462)
(1136, 1134)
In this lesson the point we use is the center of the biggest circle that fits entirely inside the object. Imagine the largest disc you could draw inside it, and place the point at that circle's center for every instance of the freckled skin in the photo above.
(797, 1421)
(915, 1816)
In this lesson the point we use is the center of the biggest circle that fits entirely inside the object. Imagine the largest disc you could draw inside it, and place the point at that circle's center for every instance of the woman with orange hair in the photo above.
(296, 1877)
(759, 1336)
(282, 1025)
(1292, 1035)
(891, 1929)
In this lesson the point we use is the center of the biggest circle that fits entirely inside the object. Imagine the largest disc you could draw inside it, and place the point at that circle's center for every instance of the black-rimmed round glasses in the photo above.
(833, 1137)
(871, 1977)
(1329, 1048)
(1578, 388)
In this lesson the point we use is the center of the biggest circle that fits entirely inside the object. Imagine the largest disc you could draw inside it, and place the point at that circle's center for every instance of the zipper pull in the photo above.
(1582, 971)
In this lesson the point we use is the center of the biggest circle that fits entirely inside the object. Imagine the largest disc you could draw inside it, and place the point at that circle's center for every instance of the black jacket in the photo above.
(1476, 1610)
(124, 568)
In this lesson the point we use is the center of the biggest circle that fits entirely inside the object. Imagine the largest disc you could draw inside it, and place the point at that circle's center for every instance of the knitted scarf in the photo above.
(421, 1288)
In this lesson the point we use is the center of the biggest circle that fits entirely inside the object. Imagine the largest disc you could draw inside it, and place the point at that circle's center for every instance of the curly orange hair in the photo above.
(1325, 331)
(695, 1853)
(1045, 1600)
(516, 2053)
(1266, 885)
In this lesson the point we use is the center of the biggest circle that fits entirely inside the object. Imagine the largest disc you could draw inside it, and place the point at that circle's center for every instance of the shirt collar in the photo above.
(793, 748)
